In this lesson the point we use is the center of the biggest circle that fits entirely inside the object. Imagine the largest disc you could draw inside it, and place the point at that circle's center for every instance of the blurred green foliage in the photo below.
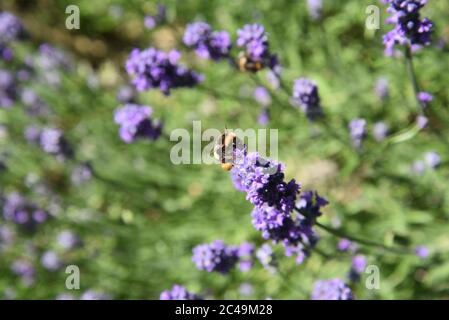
(141, 215)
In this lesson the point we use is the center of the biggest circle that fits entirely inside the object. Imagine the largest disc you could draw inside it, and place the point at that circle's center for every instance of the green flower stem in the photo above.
(342, 234)
(412, 76)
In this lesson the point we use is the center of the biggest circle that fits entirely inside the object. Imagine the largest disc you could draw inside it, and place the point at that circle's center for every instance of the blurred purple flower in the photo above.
(382, 88)
(305, 94)
(264, 117)
(358, 266)
(346, 245)
(50, 261)
(52, 141)
(135, 122)
(160, 17)
(334, 289)
(152, 68)
(380, 130)
(421, 122)
(215, 257)
(315, 8)
(246, 256)
(126, 94)
(68, 240)
(25, 270)
(262, 96)
(6, 54)
(409, 29)
(432, 159)
(208, 44)
(81, 174)
(422, 252)
(35, 105)
(22, 212)
(266, 257)
(8, 89)
(11, 27)
(357, 128)
(178, 292)
(425, 98)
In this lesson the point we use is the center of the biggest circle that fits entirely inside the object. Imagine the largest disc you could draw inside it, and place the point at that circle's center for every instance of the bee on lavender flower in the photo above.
(225, 149)
(245, 63)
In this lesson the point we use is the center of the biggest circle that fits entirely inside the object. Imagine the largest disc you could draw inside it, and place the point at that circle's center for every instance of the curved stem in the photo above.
(342, 234)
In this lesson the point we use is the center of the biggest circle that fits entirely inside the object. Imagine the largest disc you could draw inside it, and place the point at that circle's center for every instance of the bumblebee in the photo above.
(246, 64)
(224, 149)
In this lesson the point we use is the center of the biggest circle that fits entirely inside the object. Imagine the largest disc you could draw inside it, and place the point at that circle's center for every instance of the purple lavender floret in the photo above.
(432, 159)
(208, 44)
(52, 141)
(126, 94)
(81, 174)
(32, 134)
(357, 128)
(262, 96)
(409, 29)
(263, 181)
(152, 69)
(215, 257)
(11, 27)
(310, 204)
(6, 53)
(178, 292)
(160, 17)
(135, 122)
(425, 98)
(7, 237)
(68, 240)
(254, 38)
(422, 252)
(25, 270)
(315, 8)
(382, 88)
(305, 94)
(358, 266)
(422, 121)
(8, 89)
(334, 289)
(22, 212)
(50, 261)
(246, 256)
(264, 116)
(346, 245)
(266, 257)
(34, 104)
(293, 232)
(380, 131)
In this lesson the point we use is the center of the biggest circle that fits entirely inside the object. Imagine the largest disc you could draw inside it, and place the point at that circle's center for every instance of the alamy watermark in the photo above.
(214, 146)
(73, 20)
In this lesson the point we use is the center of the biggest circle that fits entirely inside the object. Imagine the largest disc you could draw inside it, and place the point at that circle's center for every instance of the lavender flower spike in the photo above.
(305, 94)
(152, 68)
(409, 29)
